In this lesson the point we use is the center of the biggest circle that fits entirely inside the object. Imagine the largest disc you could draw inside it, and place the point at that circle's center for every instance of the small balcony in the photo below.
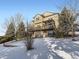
(48, 27)
(42, 28)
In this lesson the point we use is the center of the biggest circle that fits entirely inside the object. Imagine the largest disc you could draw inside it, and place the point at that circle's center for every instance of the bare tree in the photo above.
(65, 21)
(19, 25)
(72, 6)
(18, 18)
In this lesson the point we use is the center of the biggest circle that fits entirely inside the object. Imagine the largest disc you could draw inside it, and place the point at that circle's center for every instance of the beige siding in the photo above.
(38, 21)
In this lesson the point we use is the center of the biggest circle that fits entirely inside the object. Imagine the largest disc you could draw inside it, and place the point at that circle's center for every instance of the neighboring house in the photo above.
(45, 24)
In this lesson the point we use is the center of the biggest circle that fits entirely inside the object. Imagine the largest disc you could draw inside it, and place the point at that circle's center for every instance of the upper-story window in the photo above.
(50, 21)
(37, 18)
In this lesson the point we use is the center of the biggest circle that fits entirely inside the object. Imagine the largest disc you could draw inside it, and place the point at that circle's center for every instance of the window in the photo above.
(37, 18)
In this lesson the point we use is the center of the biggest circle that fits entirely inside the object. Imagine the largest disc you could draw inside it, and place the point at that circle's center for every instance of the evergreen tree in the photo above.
(10, 32)
(20, 33)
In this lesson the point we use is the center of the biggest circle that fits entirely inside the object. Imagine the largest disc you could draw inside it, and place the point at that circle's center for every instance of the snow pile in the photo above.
(66, 49)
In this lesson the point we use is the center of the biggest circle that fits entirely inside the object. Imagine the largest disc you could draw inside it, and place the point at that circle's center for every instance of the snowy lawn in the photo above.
(66, 49)
(12, 52)
(44, 48)
(40, 51)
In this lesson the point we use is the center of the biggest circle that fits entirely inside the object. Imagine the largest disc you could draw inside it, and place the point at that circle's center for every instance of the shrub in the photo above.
(6, 39)
(29, 42)
(59, 35)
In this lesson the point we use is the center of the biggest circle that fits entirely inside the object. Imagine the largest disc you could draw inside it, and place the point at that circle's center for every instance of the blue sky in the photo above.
(28, 8)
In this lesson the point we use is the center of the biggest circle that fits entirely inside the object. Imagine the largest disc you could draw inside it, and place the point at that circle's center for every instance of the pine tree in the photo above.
(20, 33)
(11, 30)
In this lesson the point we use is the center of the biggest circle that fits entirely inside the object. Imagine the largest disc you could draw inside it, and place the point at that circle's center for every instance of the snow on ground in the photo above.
(12, 52)
(40, 51)
(44, 48)
(66, 49)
